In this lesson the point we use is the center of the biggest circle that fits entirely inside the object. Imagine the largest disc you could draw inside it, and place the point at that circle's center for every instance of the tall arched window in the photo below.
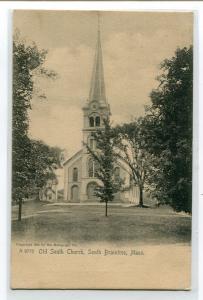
(75, 174)
(93, 168)
(91, 143)
(90, 167)
(91, 121)
(94, 121)
(97, 121)
(96, 168)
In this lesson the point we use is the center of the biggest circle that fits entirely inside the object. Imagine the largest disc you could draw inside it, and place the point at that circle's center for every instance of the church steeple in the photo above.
(97, 87)
(96, 109)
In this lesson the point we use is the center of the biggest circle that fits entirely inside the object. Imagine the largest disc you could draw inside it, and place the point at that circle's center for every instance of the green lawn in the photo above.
(88, 224)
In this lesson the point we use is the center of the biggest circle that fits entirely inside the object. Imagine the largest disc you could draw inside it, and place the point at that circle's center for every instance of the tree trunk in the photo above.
(39, 195)
(106, 208)
(141, 204)
(19, 209)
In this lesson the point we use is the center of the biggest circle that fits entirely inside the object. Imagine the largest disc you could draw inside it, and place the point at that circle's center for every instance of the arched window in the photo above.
(97, 121)
(75, 174)
(91, 143)
(94, 121)
(91, 121)
(93, 167)
(96, 168)
(117, 174)
(90, 167)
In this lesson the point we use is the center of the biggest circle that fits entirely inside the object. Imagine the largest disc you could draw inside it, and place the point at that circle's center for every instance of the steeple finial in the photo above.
(97, 88)
(98, 16)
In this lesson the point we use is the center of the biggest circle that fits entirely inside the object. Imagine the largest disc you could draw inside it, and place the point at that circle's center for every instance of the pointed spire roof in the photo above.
(97, 87)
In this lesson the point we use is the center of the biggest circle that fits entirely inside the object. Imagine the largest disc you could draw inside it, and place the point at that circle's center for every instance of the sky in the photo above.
(133, 43)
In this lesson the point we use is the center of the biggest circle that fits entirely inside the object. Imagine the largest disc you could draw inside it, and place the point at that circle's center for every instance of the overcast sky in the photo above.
(133, 46)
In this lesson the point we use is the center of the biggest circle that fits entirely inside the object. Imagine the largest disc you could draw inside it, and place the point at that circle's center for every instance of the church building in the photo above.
(80, 178)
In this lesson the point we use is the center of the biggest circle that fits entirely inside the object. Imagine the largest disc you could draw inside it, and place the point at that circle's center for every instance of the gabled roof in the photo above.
(73, 157)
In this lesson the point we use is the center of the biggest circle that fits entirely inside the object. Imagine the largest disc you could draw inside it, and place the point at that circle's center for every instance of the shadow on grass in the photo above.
(123, 226)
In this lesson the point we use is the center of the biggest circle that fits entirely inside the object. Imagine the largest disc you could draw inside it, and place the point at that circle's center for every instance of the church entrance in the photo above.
(91, 191)
(75, 193)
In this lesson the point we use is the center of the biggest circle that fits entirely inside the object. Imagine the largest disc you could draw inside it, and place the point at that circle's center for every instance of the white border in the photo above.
(5, 134)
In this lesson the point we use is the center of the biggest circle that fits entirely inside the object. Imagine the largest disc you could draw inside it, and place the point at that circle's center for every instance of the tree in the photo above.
(28, 63)
(132, 150)
(105, 158)
(44, 160)
(168, 130)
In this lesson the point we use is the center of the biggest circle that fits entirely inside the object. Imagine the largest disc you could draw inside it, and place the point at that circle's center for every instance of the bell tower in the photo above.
(96, 108)
(95, 111)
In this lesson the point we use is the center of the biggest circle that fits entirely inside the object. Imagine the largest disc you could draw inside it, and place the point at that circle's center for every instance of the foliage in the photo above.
(168, 131)
(44, 160)
(105, 158)
(29, 157)
(131, 148)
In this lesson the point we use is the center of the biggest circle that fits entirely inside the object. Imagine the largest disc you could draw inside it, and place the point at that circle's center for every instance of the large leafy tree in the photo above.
(44, 160)
(28, 63)
(105, 159)
(131, 148)
(168, 131)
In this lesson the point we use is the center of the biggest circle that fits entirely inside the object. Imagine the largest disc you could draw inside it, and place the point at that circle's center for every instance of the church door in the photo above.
(91, 191)
(75, 193)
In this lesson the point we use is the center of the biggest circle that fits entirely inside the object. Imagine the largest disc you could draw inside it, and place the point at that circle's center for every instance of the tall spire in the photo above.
(97, 87)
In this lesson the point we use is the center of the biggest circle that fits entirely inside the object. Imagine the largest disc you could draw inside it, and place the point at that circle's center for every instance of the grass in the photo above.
(88, 224)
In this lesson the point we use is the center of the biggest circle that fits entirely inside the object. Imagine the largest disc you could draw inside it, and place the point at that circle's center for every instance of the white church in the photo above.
(80, 178)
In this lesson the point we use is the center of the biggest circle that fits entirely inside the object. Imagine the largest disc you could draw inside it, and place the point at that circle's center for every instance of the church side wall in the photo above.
(130, 194)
